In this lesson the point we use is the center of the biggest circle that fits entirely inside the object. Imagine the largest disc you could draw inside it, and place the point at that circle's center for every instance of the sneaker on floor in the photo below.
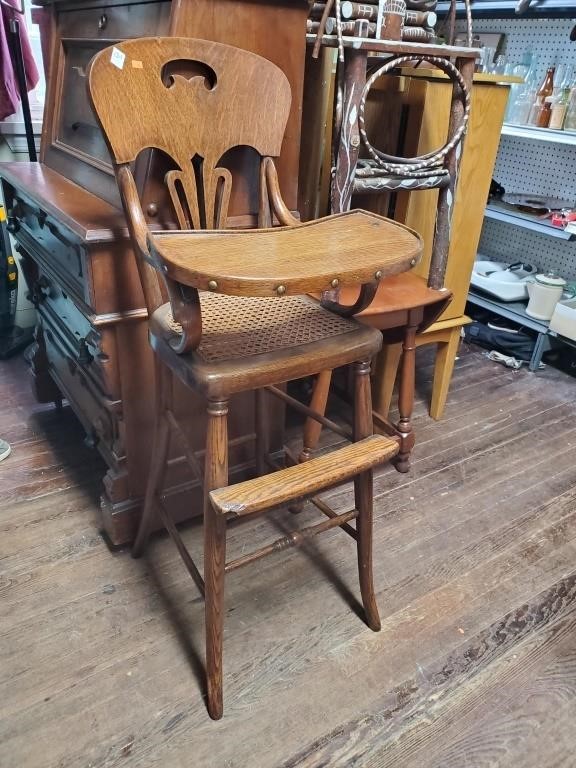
(4, 450)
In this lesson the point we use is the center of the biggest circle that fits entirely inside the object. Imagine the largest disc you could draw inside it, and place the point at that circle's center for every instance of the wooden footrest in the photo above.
(305, 479)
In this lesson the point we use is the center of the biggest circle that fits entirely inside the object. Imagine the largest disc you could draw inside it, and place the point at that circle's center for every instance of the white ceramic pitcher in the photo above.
(544, 292)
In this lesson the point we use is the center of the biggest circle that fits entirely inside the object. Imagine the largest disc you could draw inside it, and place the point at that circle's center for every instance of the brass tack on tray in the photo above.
(213, 285)
(378, 275)
(335, 283)
(281, 290)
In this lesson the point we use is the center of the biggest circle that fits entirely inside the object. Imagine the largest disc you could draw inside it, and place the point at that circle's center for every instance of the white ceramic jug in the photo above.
(545, 292)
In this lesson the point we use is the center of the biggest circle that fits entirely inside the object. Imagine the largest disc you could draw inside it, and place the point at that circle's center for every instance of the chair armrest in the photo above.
(279, 207)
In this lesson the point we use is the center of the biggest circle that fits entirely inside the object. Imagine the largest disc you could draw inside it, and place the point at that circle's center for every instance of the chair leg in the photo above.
(215, 476)
(262, 431)
(443, 368)
(159, 456)
(312, 428)
(387, 362)
(406, 396)
(363, 495)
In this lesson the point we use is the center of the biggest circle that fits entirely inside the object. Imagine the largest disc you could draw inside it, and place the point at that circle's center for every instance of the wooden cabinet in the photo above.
(92, 346)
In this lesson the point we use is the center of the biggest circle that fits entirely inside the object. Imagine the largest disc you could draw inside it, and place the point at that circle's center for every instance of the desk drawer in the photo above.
(116, 22)
(51, 244)
(99, 414)
(94, 349)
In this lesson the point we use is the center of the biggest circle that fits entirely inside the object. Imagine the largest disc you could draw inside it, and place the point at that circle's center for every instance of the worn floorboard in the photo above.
(475, 565)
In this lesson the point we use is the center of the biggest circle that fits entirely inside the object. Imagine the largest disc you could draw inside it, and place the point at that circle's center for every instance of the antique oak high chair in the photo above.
(227, 310)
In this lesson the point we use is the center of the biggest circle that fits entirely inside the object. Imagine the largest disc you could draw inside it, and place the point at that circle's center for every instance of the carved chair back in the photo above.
(193, 100)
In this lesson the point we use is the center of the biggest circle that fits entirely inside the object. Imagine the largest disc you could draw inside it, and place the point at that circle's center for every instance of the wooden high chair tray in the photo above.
(343, 249)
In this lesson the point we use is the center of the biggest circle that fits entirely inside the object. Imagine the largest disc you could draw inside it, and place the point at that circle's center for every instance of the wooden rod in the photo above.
(329, 512)
(352, 10)
(348, 27)
(420, 19)
(317, 10)
(383, 424)
(298, 406)
(410, 34)
(189, 453)
(177, 539)
(417, 35)
(441, 242)
(294, 539)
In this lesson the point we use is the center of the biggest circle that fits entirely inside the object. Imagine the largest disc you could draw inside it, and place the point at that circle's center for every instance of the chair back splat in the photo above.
(195, 103)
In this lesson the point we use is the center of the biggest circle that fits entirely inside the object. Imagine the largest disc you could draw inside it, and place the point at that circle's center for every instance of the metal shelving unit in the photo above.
(540, 134)
(518, 219)
(516, 311)
(531, 160)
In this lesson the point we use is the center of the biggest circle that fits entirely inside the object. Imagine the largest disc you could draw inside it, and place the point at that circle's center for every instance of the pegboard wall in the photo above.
(504, 242)
(547, 39)
(536, 167)
(533, 167)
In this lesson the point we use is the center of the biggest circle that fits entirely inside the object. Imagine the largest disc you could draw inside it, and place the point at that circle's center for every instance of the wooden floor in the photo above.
(475, 666)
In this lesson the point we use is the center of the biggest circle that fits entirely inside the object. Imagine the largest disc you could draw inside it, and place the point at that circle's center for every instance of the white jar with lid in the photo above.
(545, 292)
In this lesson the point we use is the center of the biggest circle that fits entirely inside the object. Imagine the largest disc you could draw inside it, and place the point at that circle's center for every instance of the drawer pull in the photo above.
(102, 22)
(37, 294)
(84, 356)
(14, 214)
(92, 439)
(13, 225)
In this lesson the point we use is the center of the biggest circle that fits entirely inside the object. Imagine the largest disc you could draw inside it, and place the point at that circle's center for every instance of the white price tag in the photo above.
(118, 58)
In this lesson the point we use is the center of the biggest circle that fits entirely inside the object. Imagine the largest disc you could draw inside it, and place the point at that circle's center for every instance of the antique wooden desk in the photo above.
(92, 346)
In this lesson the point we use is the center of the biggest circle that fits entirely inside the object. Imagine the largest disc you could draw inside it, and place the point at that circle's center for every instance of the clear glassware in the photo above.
(559, 108)
(516, 109)
(486, 58)
(499, 67)
(522, 106)
(559, 77)
(570, 119)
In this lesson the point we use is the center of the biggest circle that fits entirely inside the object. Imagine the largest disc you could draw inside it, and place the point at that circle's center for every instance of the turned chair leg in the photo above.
(215, 476)
(262, 431)
(318, 402)
(313, 428)
(386, 364)
(363, 495)
(159, 456)
(406, 396)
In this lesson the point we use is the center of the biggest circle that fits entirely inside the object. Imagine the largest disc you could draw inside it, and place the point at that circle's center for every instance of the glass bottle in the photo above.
(559, 77)
(568, 78)
(518, 104)
(545, 113)
(545, 90)
(547, 87)
(559, 109)
(570, 119)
